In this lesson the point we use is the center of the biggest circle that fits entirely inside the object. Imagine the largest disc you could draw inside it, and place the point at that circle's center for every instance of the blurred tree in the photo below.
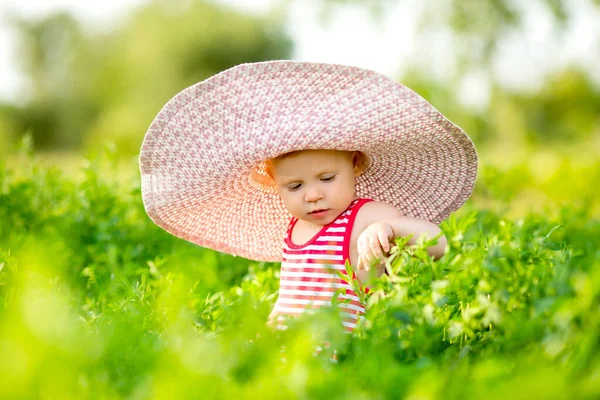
(48, 53)
(88, 88)
(565, 110)
(478, 25)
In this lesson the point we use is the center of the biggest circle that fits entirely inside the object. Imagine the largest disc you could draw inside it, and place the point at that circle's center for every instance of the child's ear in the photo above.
(358, 162)
(263, 174)
(268, 170)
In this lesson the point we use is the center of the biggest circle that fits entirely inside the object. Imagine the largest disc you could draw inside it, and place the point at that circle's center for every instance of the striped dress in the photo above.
(308, 278)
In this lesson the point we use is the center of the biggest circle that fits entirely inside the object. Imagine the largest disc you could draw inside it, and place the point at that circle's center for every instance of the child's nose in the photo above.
(312, 194)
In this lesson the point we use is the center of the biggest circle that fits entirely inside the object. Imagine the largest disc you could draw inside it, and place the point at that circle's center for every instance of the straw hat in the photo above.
(202, 160)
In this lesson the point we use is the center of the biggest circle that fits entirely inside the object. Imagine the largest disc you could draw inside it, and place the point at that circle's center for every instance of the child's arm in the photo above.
(383, 223)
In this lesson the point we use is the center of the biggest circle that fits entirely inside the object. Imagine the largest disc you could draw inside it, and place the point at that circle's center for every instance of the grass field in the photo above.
(98, 302)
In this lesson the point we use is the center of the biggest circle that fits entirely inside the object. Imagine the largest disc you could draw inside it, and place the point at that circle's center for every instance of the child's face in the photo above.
(316, 185)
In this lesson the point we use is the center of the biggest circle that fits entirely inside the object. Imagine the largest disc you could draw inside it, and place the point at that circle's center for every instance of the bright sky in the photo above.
(350, 37)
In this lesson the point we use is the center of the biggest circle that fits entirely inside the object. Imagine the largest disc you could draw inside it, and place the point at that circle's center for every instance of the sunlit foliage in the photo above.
(86, 86)
(96, 301)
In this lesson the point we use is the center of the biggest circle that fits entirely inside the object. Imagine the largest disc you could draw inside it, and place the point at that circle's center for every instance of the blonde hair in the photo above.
(360, 161)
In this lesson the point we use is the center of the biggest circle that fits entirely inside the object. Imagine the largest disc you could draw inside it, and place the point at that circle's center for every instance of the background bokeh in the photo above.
(509, 74)
(96, 301)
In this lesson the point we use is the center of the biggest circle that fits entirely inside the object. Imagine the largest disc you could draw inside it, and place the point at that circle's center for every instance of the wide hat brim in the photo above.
(200, 153)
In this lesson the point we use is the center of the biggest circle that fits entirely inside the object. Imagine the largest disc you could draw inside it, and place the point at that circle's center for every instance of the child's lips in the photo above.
(319, 213)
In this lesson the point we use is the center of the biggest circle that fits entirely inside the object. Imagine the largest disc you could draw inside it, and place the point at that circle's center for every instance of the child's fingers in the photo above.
(360, 265)
(370, 248)
(366, 261)
(363, 250)
(383, 240)
(375, 247)
(364, 256)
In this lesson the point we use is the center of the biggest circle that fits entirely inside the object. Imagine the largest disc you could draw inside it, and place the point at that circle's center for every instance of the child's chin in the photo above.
(318, 221)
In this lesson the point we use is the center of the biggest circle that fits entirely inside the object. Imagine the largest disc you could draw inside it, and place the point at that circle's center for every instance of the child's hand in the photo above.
(372, 243)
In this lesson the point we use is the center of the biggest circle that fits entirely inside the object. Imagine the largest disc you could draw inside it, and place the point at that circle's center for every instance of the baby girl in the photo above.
(329, 162)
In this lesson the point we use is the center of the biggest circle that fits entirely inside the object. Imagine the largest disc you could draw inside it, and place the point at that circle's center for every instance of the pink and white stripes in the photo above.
(309, 272)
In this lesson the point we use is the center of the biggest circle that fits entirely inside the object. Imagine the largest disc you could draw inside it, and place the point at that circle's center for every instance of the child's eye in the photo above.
(327, 178)
(294, 186)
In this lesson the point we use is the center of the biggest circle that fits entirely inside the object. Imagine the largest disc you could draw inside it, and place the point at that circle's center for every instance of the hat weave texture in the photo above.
(201, 152)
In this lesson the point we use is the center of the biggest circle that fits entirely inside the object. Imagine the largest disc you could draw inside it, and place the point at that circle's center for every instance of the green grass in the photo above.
(98, 302)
